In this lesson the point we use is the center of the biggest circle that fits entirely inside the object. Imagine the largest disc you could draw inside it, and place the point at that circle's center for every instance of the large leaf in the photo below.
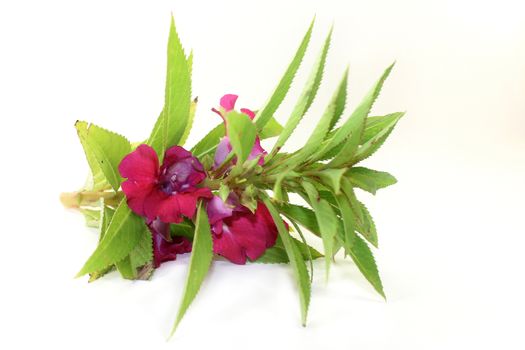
(324, 124)
(120, 238)
(265, 113)
(364, 259)
(277, 254)
(327, 222)
(306, 98)
(351, 131)
(208, 143)
(201, 256)
(296, 260)
(370, 180)
(242, 133)
(104, 150)
(193, 109)
(139, 256)
(173, 120)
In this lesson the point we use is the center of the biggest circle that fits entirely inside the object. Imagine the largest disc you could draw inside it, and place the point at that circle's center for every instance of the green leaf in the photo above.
(374, 143)
(242, 133)
(376, 125)
(324, 123)
(332, 178)
(138, 257)
(209, 143)
(295, 257)
(327, 222)
(264, 114)
(271, 129)
(306, 98)
(277, 254)
(370, 180)
(352, 130)
(105, 215)
(304, 216)
(174, 118)
(366, 226)
(348, 217)
(364, 259)
(104, 150)
(340, 100)
(92, 217)
(191, 117)
(200, 261)
(122, 235)
(224, 192)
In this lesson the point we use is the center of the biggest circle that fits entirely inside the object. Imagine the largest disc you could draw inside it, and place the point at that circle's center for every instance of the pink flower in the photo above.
(165, 247)
(168, 192)
(237, 232)
(224, 147)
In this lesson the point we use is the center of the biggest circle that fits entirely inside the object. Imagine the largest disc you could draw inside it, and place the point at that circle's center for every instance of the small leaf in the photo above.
(224, 192)
(304, 216)
(332, 178)
(200, 261)
(242, 133)
(271, 129)
(104, 150)
(352, 130)
(376, 125)
(122, 235)
(249, 197)
(92, 217)
(327, 222)
(374, 143)
(348, 217)
(264, 114)
(306, 98)
(366, 227)
(295, 257)
(277, 254)
(173, 120)
(370, 180)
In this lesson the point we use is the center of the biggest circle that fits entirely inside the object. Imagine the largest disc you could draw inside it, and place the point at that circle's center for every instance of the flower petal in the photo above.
(218, 210)
(256, 151)
(164, 250)
(223, 149)
(136, 194)
(171, 208)
(228, 102)
(248, 112)
(227, 246)
(141, 165)
(245, 234)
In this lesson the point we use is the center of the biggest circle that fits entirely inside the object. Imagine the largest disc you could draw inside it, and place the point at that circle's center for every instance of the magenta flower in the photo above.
(165, 247)
(224, 147)
(237, 232)
(168, 192)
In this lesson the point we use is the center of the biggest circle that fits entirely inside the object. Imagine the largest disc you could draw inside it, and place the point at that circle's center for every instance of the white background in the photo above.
(451, 231)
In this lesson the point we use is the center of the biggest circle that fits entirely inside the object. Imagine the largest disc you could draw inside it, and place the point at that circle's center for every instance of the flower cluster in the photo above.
(226, 195)
(165, 195)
